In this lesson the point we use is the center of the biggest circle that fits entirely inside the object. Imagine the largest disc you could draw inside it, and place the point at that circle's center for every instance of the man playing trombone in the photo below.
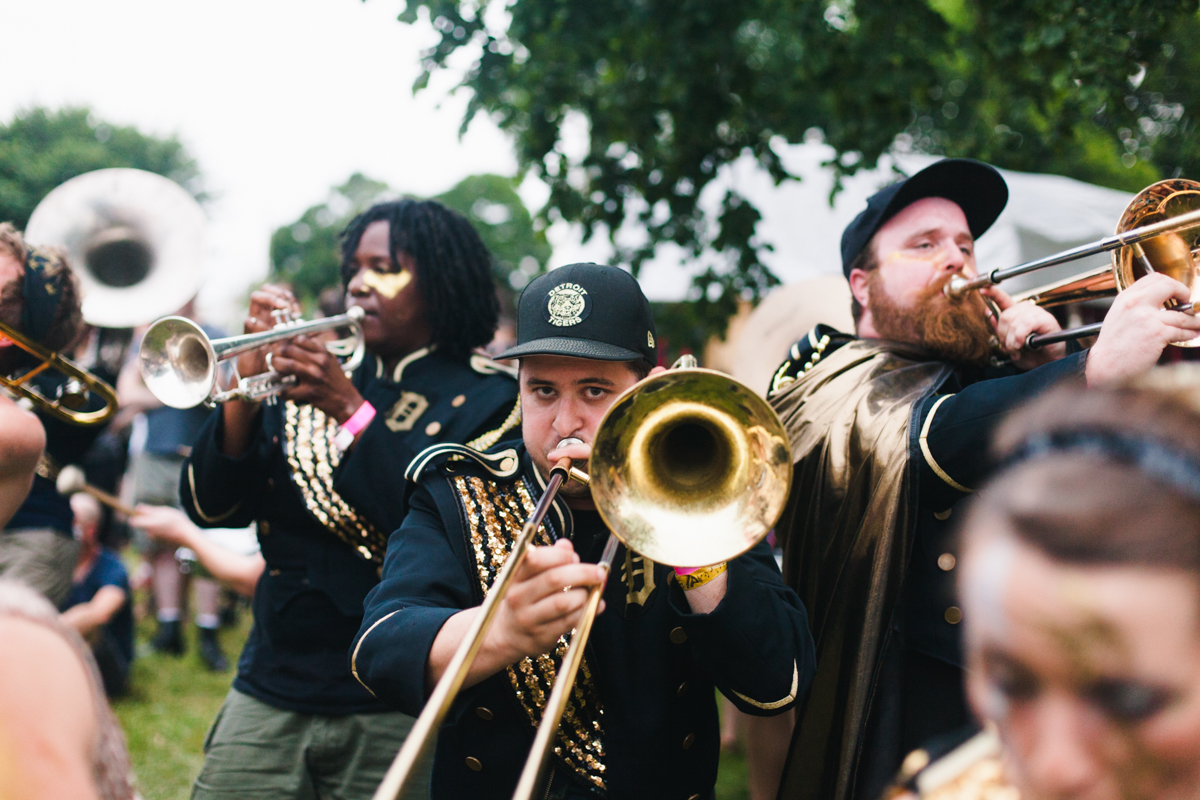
(641, 719)
(321, 474)
(889, 432)
(39, 300)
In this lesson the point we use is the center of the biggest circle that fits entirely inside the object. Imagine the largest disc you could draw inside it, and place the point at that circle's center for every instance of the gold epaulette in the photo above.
(503, 464)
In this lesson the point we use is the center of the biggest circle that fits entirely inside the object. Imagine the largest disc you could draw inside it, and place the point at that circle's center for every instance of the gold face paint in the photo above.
(387, 284)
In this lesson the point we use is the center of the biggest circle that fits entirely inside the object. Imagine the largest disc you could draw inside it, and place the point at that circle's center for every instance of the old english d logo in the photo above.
(406, 412)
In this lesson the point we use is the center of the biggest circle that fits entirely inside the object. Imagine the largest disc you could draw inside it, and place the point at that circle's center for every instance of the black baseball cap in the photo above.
(977, 188)
(585, 311)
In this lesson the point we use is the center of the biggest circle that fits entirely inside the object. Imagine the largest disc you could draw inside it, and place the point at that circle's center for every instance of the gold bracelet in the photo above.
(694, 580)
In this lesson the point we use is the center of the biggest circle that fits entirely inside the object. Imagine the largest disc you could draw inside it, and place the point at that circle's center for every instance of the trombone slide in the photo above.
(63, 407)
(455, 674)
(564, 682)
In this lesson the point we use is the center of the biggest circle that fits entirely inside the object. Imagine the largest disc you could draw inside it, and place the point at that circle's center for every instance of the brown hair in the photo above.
(67, 323)
(1089, 505)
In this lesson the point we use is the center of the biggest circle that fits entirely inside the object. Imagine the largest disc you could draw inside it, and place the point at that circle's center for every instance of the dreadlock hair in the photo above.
(454, 269)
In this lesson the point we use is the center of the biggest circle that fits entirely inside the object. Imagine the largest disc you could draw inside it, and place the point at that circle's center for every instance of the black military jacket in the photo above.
(66, 444)
(950, 432)
(653, 663)
(322, 524)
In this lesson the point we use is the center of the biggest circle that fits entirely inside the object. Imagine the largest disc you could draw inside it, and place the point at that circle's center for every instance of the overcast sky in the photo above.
(278, 100)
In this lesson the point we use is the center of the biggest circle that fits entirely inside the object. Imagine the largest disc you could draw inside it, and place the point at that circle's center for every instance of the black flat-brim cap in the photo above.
(977, 188)
(585, 311)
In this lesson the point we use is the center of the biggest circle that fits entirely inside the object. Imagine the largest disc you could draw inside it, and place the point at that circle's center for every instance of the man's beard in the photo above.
(950, 329)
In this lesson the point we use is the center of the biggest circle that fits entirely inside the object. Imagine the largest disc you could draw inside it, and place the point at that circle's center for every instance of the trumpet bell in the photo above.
(178, 362)
(690, 468)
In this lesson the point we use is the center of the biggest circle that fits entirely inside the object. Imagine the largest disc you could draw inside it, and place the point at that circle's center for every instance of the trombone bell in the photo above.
(690, 468)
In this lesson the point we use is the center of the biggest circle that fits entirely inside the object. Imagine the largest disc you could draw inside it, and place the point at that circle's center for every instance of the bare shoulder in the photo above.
(45, 686)
(23, 440)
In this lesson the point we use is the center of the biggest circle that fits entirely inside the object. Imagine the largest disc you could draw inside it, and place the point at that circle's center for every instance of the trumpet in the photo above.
(70, 400)
(179, 361)
(688, 468)
(1158, 232)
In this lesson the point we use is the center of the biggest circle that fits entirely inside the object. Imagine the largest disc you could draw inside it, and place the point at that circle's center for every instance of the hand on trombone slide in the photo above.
(1016, 323)
(543, 602)
(1139, 326)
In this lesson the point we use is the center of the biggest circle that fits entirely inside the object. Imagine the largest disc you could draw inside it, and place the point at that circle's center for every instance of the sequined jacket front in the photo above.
(643, 721)
(323, 517)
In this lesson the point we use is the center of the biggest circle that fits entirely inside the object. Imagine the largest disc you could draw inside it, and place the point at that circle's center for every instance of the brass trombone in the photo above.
(1159, 231)
(179, 362)
(688, 468)
(70, 401)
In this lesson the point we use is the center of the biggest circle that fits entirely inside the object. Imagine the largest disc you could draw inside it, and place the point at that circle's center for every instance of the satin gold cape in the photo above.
(846, 534)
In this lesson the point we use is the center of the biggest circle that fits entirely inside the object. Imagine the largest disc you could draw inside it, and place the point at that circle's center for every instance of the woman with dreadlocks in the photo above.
(321, 473)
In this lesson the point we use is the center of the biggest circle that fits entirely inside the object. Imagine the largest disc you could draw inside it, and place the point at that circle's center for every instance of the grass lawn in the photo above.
(173, 701)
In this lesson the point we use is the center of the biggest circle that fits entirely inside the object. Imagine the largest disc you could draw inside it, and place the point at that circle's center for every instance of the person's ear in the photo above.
(656, 371)
(860, 287)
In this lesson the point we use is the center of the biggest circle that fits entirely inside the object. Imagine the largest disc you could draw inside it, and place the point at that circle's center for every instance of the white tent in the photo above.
(1045, 214)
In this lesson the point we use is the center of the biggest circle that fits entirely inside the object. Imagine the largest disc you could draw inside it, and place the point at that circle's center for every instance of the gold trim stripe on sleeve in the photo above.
(929, 459)
(196, 501)
(778, 703)
(354, 655)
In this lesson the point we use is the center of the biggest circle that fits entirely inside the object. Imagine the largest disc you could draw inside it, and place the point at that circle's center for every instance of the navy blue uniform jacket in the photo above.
(308, 603)
(655, 663)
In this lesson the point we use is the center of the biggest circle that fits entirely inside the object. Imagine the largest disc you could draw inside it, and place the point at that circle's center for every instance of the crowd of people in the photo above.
(987, 575)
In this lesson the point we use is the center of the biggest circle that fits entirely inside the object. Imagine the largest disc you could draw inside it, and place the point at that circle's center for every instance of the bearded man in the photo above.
(889, 431)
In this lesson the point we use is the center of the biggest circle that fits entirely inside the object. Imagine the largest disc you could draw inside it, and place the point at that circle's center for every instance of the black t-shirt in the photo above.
(108, 571)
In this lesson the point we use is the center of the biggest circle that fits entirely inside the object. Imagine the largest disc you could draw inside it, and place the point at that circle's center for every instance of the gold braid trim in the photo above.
(488, 439)
(495, 513)
(313, 459)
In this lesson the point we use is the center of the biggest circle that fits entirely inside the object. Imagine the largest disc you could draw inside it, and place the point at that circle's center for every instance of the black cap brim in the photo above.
(572, 348)
(977, 188)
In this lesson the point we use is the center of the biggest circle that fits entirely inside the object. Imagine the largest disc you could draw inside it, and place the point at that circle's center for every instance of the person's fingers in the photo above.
(1180, 319)
(554, 614)
(552, 581)
(1178, 335)
(538, 559)
(1156, 290)
(576, 452)
(1001, 297)
(301, 368)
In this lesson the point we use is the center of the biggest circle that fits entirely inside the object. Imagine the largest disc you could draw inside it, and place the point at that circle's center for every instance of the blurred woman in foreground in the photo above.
(1080, 585)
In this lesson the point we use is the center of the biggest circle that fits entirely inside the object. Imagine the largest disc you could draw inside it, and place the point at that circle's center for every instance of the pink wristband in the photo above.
(358, 420)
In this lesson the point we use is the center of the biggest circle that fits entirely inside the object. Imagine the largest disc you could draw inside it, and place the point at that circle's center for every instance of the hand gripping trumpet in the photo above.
(179, 361)
(688, 468)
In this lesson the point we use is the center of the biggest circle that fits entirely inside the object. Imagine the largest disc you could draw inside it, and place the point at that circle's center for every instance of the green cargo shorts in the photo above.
(255, 750)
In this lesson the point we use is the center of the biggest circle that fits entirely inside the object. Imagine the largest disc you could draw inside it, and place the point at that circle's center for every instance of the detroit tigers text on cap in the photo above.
(977, 188)
(585, 311)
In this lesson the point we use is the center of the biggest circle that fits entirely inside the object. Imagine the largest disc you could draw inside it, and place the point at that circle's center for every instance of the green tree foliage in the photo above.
(518, 245)
(306, 254)
(40, 149)
(673, 90)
